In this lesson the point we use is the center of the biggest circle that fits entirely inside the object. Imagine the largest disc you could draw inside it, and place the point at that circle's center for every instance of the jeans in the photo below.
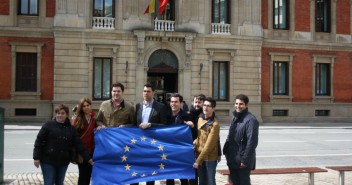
(240, 176)
(85, 172)
(53, 174)
(206, 173)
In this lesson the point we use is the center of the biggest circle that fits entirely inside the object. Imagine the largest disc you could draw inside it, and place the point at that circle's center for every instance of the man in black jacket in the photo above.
(177, 117)
(150, 112)
(241, 143)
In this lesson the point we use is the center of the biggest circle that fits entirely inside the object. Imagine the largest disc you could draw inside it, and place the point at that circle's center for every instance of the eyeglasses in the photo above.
(209, 106)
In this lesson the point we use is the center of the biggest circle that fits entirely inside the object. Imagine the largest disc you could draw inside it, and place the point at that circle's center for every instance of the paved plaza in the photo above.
(326, 178)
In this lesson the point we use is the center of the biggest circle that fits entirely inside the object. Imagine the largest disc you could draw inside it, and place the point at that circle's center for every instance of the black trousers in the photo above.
(240, 176)
(172, 182)
(148, 183)
(85, 173)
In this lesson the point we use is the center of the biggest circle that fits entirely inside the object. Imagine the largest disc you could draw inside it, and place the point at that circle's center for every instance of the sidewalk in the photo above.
(326, 178)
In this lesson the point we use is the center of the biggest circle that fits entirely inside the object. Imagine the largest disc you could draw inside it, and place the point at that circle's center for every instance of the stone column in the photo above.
(141, 65)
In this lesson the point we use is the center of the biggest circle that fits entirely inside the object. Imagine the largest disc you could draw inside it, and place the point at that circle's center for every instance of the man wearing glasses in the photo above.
(207, 143)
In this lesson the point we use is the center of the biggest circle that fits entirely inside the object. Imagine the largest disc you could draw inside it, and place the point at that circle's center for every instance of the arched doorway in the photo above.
(163, 73)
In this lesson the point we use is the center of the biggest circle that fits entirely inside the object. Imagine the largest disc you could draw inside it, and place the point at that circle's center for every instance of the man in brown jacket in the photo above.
(115, 112)
(207, 144)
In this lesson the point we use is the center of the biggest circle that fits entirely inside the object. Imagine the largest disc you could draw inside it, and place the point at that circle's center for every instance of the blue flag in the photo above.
(130, 155)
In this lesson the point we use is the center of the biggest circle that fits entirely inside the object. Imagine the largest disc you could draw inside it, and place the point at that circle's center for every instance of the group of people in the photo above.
(57, 137)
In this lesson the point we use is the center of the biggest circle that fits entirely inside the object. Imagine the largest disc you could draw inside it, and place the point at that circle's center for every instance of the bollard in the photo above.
(2, 123)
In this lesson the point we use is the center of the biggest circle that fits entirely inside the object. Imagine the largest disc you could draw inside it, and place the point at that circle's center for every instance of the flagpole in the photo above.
(165, 11)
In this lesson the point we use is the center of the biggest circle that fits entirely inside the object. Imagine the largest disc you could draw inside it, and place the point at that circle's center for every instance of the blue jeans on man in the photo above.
(206, 173)
(53, 174)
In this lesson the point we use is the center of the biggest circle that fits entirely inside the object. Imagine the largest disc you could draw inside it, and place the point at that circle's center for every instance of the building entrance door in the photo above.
(163, 73)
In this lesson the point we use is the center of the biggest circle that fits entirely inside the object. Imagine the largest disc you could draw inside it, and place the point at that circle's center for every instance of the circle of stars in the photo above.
(127, 149)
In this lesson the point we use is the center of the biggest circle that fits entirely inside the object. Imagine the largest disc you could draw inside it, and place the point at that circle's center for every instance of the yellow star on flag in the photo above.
(143, 138)
(124, 158)
(153, 142)
(133, 141)
(161, 166)
(154, 173)
(128, 167)
(127, 148)
(143, 175)
(163, 157)
(161, 147)
(134, 174)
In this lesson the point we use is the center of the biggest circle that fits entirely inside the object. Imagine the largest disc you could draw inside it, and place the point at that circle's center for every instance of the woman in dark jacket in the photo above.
(54, 145)
(85, 124)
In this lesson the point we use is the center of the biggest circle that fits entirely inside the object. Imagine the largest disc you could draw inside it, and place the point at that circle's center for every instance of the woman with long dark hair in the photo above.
(85, 123)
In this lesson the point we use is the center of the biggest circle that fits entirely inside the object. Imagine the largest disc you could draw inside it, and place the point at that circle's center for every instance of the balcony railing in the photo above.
(164, 25)
(103, 23)
(220, 28)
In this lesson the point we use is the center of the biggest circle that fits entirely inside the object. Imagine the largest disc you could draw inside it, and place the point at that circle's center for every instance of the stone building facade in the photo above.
(220, 48)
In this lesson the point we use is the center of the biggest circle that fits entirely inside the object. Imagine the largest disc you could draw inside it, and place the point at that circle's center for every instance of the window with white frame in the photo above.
(281, 14)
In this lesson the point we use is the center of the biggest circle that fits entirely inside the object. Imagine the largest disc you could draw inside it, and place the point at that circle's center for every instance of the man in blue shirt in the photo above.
(150, 112)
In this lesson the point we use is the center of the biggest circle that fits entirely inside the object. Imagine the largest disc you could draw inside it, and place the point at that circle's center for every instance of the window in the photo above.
(280, 78)
(25, 112)
(102, 78)
(168, 13)
(104, 8)
(26, 66)
(323, 76)
(322, 112)
(280, 112)
(220, 81)
(26, 72)
(322, 15)
(281, 14)
(28, 7)
(322, 80)
(221, 11)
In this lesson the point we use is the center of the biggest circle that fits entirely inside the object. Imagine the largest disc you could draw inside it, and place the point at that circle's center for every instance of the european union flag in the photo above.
(130, 155)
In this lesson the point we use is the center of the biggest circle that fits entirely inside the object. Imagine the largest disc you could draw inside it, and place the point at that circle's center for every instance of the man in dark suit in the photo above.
(150, 112)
